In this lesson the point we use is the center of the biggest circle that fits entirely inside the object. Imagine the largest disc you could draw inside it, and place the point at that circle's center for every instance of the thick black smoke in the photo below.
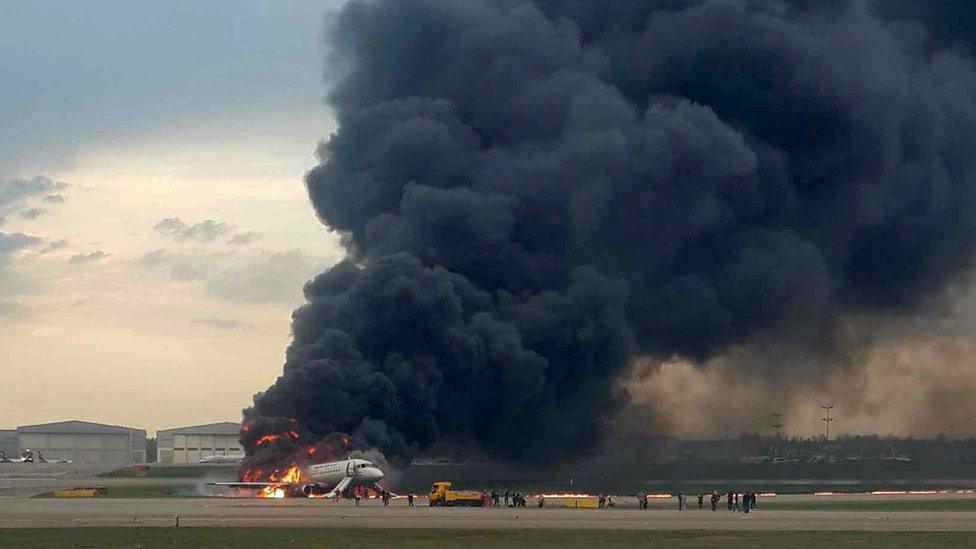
(532, 193)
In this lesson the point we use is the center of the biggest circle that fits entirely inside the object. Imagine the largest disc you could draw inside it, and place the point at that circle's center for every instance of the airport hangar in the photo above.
(191, 444)
(84, 442)
(10, 442)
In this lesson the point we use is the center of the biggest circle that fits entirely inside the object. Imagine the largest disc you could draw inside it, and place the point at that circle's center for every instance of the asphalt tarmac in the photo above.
(18, 509)
(26, 512)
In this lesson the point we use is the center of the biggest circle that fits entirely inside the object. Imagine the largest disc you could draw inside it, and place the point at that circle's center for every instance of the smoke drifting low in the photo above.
(534, 194)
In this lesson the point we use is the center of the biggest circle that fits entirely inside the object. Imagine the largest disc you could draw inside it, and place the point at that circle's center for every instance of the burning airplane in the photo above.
(321, 479)
(290, 461)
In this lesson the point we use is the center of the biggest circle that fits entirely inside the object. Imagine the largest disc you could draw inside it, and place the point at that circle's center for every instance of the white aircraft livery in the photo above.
(323, 478)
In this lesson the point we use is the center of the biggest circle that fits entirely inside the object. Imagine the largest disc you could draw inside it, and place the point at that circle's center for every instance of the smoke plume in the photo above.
(533, 194)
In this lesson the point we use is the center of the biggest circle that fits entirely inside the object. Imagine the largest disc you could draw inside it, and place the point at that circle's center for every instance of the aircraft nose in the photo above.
(375, 474)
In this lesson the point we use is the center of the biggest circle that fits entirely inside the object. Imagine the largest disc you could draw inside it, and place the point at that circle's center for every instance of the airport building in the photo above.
(191, 444)
(9, 442)
(84, 442)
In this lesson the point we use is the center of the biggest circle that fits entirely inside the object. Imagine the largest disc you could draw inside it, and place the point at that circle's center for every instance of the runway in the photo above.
(20, 513)
(18, 510)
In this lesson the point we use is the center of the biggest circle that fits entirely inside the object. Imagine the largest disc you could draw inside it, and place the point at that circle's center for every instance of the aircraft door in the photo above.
(351, 469)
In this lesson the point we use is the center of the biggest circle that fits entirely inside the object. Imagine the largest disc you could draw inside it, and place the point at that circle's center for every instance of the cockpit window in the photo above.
(363, 466)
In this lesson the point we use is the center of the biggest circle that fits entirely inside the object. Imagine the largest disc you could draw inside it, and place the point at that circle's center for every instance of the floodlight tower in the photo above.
(827, 418)
(778, 435)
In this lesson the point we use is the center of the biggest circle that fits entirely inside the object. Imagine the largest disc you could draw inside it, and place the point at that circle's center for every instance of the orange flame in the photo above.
(292, 476)
(271, 492)
(267, 439)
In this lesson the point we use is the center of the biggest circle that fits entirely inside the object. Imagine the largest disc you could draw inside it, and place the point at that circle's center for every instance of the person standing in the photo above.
(506, 498)
(729, 499)
(701, 500)
(714, 499)
(735, 506)
(681, 501)
(410, 499)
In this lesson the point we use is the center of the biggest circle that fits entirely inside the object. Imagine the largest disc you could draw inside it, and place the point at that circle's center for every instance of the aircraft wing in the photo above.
(343, 484)
(339, 487)
(247, 484)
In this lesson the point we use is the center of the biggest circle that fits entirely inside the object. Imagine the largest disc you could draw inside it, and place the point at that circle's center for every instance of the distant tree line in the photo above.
(854, 447)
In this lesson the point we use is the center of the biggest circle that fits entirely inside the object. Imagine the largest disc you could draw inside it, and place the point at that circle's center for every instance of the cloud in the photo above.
(9, 308)
(55, 199)
(261, 276)
(13, 243)
(91, 257)
(55, 245)
(204, 231)
(222, 324)
(178, 266)
(243, 239)
(268, 277)
(33, 213)
(170, 225)
(15, 248)
(16, 193)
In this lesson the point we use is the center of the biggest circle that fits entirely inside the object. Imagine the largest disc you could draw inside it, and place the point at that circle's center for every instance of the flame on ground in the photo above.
(272, 492)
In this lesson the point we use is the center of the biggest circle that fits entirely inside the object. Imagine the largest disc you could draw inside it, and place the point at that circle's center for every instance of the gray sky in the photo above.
(154, 229)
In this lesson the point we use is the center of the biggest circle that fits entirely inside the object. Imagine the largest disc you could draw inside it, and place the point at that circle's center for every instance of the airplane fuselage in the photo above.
(327, 476)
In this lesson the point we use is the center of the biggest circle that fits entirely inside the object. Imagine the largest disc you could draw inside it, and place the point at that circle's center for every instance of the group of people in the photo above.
(732, 501)
(735, 501)
(511, 499)
(748, 501)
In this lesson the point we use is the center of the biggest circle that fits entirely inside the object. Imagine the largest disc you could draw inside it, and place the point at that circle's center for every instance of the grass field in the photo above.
(241, 538)
(786, 488)
(880, 504)
(225, 472)
(146, 492)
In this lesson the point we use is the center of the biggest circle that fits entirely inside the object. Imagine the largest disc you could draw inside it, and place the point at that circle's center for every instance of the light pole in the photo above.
(827, 419)
(777, 425)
